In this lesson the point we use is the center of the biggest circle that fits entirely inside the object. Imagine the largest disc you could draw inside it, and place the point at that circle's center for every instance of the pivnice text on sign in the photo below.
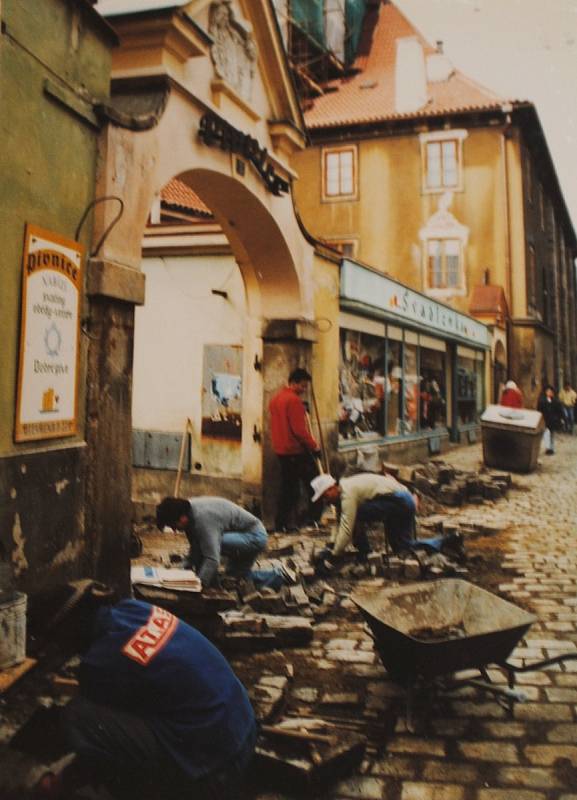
(51, 259)
(214, 130)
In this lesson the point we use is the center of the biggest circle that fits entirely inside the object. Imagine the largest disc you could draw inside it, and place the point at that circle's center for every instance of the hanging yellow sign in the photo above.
(47, 396)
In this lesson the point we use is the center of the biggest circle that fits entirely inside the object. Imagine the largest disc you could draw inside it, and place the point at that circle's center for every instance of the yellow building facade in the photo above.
(429, 179)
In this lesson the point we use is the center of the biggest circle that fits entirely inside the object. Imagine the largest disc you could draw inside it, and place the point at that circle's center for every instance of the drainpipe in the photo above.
(509, 259)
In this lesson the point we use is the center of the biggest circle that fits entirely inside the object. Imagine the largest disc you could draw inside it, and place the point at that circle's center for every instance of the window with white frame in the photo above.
(444, 269)
(442, 158)
(444, 241)
(339, 172)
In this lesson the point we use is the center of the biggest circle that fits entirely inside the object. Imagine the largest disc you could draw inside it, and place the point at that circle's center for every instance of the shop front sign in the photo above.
(214, 131)
(46, 404)
(362, 285)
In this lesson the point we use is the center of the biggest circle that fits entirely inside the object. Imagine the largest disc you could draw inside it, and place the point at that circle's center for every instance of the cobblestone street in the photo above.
(466, 745)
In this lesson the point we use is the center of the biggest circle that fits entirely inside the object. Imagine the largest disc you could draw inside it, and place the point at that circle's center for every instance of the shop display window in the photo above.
(480, 372)
(361, 386)
(411, 390)
(390, 388)
(467, 391)
(394, 389)
(433, 392)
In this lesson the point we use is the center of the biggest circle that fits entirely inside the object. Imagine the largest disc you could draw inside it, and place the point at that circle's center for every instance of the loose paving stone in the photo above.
(498, 752)
(417, 746)
(447, 772)
(467, 746)
(505, 730)
(546, 755)
(563, 733)
(361, 789)
(394, 766)
(424, 791)
(544, 712)
(509, 794)
(527, 777)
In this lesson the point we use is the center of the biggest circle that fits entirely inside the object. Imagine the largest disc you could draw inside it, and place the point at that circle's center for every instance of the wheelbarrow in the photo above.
(425, 631)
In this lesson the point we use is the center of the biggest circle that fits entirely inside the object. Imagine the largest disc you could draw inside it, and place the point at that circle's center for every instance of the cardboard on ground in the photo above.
(185, 580)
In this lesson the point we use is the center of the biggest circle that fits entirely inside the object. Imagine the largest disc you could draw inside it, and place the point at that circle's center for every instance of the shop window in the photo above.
(442, 153)
(339, 173)
(444, 268)
(411, 390)
(467, 390)
(408, 396)
(361, 386)
(480, 385)
(433, 392)
(394, 389)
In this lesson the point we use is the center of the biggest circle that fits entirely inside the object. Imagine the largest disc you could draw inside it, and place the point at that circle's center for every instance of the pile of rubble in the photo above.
(450, 486)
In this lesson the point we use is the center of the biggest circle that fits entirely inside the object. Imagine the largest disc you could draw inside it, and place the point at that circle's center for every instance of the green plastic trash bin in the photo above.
(511, 437)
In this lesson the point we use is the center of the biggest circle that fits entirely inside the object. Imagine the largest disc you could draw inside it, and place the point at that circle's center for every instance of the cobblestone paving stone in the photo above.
(467, 747)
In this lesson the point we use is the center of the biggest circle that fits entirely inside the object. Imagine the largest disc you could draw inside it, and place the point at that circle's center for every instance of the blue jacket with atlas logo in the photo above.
(146, 661)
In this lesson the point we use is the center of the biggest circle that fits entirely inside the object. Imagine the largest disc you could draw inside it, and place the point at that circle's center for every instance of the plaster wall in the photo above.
(53, 56)
(325, 356)
(47, 178)
(391, 208)
(180, 317)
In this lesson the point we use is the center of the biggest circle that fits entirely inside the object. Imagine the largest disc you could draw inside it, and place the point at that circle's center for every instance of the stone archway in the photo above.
(257, 242)
(272, 340)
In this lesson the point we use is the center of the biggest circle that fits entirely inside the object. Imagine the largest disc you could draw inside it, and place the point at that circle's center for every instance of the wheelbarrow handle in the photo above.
(537, 665)
(512, 670)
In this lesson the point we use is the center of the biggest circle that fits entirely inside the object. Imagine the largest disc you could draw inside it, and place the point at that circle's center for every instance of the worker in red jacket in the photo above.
(296, 448)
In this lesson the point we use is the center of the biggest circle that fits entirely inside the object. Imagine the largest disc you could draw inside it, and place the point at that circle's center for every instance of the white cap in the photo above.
(320, 484)
(511, 385)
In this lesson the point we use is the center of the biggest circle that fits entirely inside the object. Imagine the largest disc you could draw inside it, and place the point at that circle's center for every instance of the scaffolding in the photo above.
(321, 38)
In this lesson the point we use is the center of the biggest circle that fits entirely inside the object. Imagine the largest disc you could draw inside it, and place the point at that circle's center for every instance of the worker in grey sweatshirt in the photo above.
(217, 527)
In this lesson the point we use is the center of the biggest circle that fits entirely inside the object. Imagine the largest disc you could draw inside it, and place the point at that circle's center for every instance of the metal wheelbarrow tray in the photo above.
(430, 629)
(426, 631)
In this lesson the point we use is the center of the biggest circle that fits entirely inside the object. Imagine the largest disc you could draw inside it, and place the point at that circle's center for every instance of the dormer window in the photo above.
(442, 160)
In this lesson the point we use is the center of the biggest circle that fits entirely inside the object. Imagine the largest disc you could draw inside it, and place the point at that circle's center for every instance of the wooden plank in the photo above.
(9, 676)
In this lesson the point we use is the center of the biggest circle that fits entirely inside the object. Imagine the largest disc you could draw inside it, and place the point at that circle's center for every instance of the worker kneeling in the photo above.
(217, 527)
(160, 714)
(364, 498)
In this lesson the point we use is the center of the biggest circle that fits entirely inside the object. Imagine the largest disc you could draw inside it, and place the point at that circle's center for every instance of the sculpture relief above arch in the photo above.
(234, 49)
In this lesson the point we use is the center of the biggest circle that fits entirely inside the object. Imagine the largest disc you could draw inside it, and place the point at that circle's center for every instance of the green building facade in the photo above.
(55, 60)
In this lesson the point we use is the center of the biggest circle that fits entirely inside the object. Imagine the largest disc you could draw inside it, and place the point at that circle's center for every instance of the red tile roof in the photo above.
(177, 195)
(369, 95)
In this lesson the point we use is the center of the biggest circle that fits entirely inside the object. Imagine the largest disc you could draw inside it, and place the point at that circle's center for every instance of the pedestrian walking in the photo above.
(296, 449)
(567, 397)
(217, 527)
(552, 410)
(512, 396)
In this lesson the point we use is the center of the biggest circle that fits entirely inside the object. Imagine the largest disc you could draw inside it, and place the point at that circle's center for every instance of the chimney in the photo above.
(410, 76)
(439, 68)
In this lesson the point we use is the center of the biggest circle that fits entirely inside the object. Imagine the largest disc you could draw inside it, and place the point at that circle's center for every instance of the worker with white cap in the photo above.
(366, 497)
